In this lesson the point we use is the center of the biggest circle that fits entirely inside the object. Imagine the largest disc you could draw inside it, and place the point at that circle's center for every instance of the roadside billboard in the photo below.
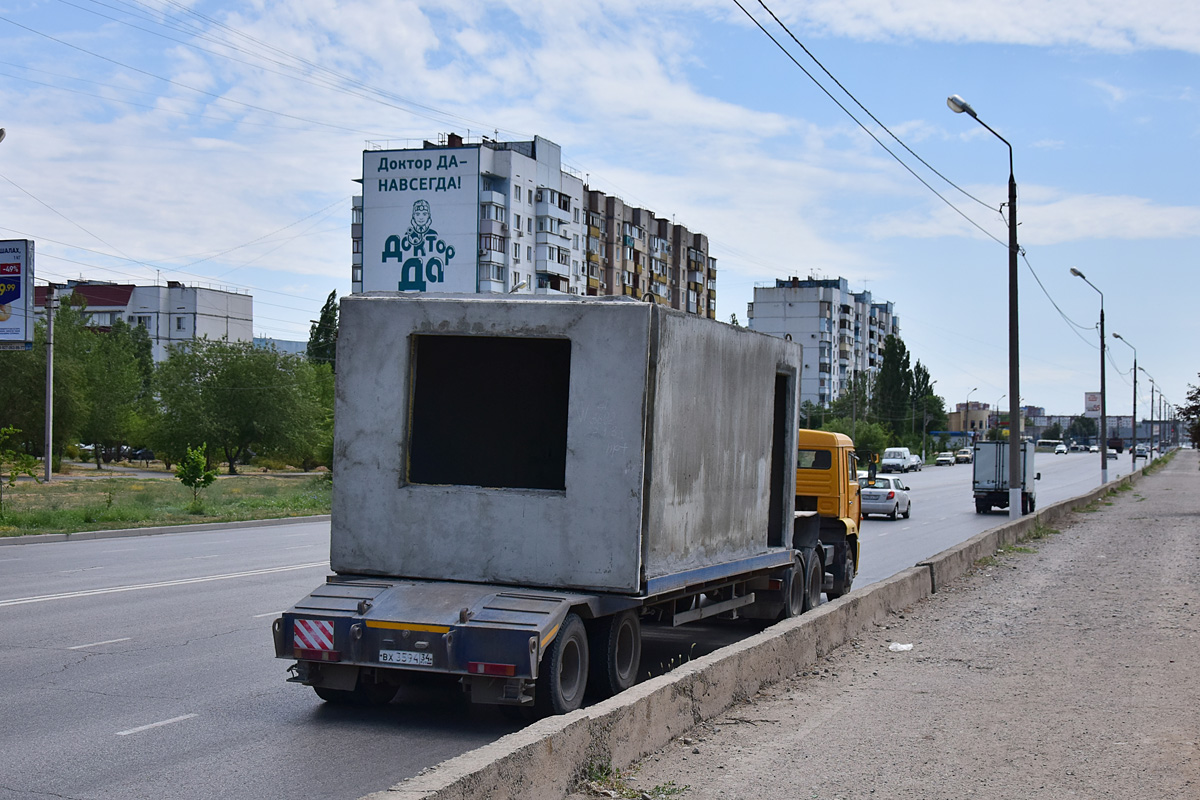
(16, 294)
(1091, 404)
(420, 220)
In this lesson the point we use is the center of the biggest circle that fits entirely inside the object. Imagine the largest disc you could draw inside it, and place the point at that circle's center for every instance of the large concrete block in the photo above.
(577, 444)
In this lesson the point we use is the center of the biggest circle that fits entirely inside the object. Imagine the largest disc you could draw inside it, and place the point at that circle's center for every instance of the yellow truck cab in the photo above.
(828, 510)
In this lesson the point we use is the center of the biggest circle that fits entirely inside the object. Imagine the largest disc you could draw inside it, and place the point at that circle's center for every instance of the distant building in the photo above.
(282, 345)
(492, 216)
(170, 313)
(841, 332)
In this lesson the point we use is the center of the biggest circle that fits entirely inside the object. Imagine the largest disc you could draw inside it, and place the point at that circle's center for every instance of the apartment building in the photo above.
(842, 332)
(459, 216)
(634, 253)
(492, 216)
(170, 313)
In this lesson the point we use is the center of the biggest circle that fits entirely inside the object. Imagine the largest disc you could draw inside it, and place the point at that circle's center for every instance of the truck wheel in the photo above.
(562, 675)
(794, 599)
(1024, 504)
(842, 582)
(813, 582)
(615, 645)
(366, 693)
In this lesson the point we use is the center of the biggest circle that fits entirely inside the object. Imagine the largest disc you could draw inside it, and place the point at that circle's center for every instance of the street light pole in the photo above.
(1103, 399)
(967, 408)
(1133, 450)
(958, 106)
(998, 399)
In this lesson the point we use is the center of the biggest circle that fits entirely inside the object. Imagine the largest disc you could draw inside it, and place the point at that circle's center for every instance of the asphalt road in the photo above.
(143, 667)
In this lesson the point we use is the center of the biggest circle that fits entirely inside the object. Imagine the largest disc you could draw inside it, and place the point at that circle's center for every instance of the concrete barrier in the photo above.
(544, 759)
(124, 533)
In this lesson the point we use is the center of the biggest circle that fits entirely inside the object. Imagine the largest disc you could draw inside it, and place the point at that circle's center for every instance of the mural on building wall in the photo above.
(420, 220)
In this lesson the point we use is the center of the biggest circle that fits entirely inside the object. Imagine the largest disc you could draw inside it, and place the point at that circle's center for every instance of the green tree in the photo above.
(893, 388)
(115, 381)
(1054, 431)
(322, 336)
(23, 390)
(870, 438)
(13, 463)
(235, 396)
(193, 472)
(1189, 413)
(1081, 428)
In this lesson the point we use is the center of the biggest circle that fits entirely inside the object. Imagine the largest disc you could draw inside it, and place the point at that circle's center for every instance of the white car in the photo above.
(944, 460)
(1060, 449)
(884, 495)
(1094, 448)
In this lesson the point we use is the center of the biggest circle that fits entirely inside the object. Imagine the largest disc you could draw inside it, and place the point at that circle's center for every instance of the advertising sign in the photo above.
(16, 294)
(420, 220)
(1091, 404)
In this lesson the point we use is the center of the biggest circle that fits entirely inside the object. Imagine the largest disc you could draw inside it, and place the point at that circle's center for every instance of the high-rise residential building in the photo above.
(170, 314)
(634, 253)
(492, 216)
(841, 332)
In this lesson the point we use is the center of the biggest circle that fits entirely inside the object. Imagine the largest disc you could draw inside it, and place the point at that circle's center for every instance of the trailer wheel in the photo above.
(615, 644)
(813, 584)
(793, 591)
(563, 673)
(365, 693)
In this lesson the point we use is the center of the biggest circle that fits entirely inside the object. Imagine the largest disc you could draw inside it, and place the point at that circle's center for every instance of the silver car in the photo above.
(885, 495)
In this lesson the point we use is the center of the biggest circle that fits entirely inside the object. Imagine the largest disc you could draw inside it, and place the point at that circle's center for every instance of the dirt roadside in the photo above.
(1064, 669)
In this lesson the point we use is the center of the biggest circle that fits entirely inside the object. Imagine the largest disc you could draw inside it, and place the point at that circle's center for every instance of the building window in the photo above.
(517, 220)
(516, 252)
(529, 224)
(576, 211)
(179, 323)
(528, 253)
(517, 193)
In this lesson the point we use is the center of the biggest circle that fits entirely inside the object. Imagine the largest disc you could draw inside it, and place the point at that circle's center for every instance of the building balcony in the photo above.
(492, 227)
(495, 198)
(552, 267)
(544, 209)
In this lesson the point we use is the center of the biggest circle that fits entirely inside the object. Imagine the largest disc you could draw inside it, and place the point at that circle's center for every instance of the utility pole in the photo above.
(49, 381)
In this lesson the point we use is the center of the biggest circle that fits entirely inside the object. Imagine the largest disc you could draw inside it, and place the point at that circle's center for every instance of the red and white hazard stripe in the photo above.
(312, 634)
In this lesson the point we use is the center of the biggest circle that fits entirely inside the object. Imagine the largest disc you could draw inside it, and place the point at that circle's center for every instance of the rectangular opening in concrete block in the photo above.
(781, 444)
(489, 411)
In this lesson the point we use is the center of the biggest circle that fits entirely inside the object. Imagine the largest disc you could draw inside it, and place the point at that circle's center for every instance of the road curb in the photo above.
(124, 533)
(546, 758)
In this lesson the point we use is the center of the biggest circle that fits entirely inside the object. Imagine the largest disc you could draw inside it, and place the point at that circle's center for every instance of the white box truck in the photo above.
(990, 478)
(519, 484)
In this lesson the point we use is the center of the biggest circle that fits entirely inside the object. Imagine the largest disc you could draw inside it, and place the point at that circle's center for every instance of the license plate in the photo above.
(406, 657)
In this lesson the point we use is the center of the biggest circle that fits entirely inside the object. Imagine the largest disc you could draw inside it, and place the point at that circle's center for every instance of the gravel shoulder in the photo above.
(1062, 669)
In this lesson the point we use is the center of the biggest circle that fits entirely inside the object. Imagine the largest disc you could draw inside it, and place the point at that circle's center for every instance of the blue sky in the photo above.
(140, 144)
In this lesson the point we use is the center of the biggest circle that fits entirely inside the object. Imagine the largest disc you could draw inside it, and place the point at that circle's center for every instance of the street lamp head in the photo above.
(958, 105)
(1, 134)
(1077, 273)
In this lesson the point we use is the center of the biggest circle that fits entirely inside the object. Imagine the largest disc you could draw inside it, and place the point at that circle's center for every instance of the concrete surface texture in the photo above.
(1062, 668)
(565, 443)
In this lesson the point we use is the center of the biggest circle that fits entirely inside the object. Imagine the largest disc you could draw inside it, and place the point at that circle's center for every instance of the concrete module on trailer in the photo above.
(520, 485)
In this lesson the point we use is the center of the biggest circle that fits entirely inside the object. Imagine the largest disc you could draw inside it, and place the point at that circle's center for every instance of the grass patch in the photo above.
(68, 506)
(608, 781)
(1040, 531)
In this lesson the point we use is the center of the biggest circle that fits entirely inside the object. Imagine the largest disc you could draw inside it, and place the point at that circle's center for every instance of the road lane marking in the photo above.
(299, 547)
(269, 614)
(97, 644)
(193, 558)
(20, 601)
(119, 550)
(171, 721)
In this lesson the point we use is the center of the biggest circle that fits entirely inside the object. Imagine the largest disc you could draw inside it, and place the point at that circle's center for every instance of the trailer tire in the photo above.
(563, 672)
(615, 645)
(795, 600)
(815, 577)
